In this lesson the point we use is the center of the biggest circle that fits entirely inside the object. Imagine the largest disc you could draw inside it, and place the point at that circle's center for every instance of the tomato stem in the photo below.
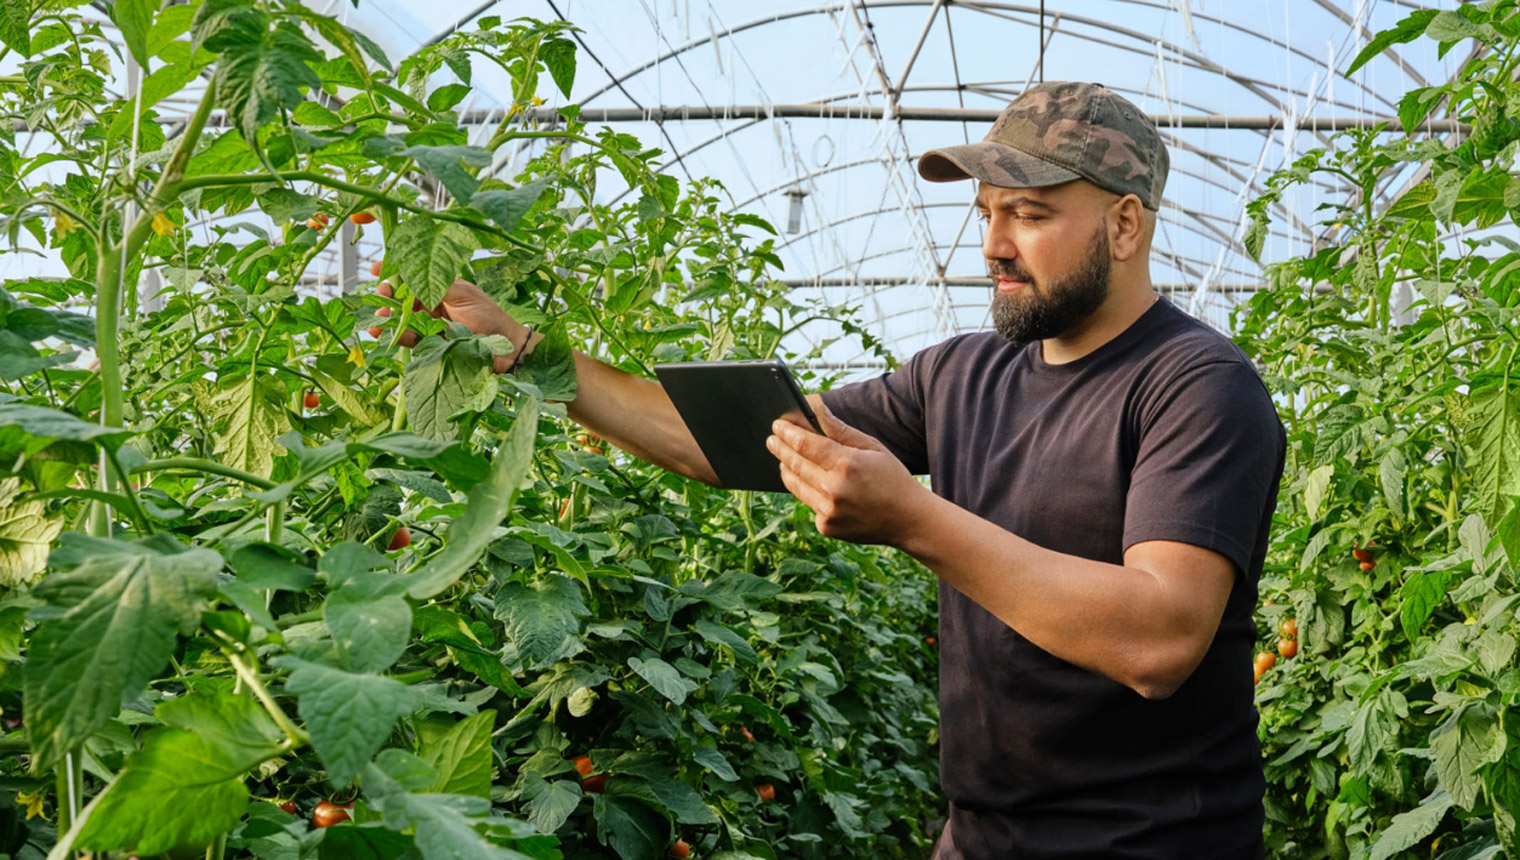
(248, 676)
(209, 466)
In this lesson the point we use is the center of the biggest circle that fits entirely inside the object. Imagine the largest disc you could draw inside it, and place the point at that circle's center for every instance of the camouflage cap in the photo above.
(1056, 132)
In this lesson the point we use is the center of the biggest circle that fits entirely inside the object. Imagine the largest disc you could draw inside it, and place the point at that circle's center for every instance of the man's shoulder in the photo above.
(973, 347)
(1182, 343)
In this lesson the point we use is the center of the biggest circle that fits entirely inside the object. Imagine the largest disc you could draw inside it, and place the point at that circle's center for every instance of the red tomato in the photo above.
(594, 784)
(1289, 628)
(1367, 565)
(374, 331)
(289, 806)
(317, 221)
(1264, 661)
(766, 791)
(362, 218)
(401, 539)
(583, 765)
(1361, 555)
(749, 736)
(313, 400)
(328, 813)
(374, 268)
(1287, 647)
(680, 849)
(930, 640)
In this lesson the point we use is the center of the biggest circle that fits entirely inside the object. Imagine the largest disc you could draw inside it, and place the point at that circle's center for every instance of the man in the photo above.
(1104, 473)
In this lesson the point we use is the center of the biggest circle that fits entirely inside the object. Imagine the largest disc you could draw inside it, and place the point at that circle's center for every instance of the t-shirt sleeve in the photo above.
(1208, 465)
(890, 407)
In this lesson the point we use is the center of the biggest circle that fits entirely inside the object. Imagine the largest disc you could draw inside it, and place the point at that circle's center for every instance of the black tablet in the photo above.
(729, 407)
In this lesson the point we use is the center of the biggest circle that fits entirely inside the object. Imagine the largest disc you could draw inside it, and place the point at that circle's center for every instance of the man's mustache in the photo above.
(1008, 269)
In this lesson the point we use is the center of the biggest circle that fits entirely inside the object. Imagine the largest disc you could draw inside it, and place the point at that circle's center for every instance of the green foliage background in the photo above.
(1394, 732)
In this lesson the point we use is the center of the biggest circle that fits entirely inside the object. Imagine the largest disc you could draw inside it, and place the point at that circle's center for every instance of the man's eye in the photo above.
(981, 215)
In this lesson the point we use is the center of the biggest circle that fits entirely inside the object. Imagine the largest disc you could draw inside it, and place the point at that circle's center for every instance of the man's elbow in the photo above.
(1163, 674)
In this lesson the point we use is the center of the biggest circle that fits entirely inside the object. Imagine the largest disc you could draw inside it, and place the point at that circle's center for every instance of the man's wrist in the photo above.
(920, 522)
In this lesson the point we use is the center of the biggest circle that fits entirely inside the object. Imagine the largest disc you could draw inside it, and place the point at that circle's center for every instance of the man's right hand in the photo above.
(469, 306)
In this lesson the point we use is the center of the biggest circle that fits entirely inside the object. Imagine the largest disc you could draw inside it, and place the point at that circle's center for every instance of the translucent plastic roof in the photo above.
(826, 107)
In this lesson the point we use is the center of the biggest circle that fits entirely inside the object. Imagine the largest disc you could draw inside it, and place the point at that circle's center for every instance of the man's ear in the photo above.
(1128, 228)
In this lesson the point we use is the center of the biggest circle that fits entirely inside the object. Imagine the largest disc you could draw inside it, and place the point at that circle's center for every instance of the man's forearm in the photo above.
(1122, 622)
(636, 415)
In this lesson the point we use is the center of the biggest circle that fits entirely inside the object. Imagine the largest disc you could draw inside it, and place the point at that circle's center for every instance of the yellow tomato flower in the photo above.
(162, 225)
(356, 356)
(64, 224)
(32, 802)
(537, 101)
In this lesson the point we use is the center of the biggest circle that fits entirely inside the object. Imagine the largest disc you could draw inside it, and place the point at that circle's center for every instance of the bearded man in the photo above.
(1104, 469)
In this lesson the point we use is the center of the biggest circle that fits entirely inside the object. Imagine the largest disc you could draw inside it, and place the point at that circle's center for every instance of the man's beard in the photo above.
(1040, 311)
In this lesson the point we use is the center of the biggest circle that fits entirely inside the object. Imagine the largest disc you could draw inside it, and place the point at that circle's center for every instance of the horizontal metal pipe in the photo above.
(670, 113)
(673, 113)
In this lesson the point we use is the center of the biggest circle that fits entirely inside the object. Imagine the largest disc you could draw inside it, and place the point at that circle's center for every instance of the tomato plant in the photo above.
(427, 599)
(1391, 349)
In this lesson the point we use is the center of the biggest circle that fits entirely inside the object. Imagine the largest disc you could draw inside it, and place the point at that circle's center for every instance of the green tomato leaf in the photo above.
(180, 789)
(430, 255)
(1492, 438)
(1420, 594)
(445, 824)
(16, 26)
(551, 806)
(25, 430)
(369, 621)
(348, 714)
(462, 757)
(236, 725)
(663, 677)
(1451, 26)
(257, 77)
(559, 56)
(249, 422)
(507, 208)
(551, 365)
(285, 204)
(489, 501)
(451, 165)
(446, 378)
(1462, 744)
(630, 828)
(27, 532)
(715, 761)
(1407, 30)
(1408, 828)
(720, 635)
(135, 18)
(543, 619)
(262, 565)
(115, 618)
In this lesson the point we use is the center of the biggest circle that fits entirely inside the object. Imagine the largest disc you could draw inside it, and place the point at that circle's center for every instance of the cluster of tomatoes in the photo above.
(326, 813)
(1287, 646)
(320, 220)
(1363, 555)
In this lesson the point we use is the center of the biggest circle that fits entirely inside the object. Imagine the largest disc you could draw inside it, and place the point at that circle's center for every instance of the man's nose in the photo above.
(997, 244)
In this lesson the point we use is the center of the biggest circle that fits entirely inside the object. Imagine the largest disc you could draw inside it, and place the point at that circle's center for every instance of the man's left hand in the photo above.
(858, 491)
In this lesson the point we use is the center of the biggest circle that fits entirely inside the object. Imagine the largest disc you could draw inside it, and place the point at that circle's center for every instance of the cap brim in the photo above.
(993, 163)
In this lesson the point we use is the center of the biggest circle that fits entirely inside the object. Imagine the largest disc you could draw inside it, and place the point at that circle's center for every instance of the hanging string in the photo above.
(1042, 41)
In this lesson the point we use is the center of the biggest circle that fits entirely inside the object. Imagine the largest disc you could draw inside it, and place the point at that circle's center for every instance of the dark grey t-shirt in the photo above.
(1164, 433)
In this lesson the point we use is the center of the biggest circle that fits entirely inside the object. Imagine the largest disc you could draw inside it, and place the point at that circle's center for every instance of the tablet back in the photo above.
(729, 407)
